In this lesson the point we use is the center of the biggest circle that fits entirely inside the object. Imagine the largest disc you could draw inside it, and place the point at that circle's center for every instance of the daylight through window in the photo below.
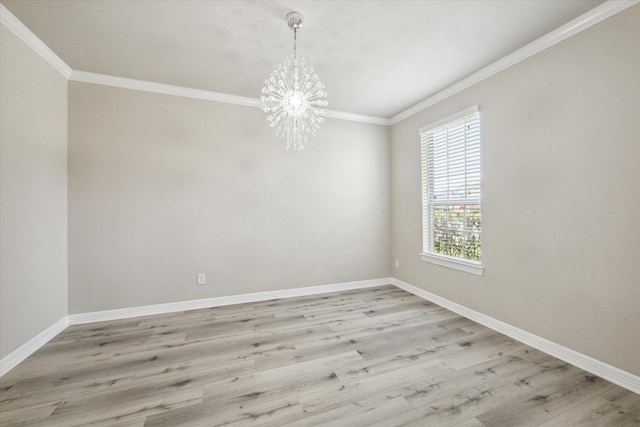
(451, 187)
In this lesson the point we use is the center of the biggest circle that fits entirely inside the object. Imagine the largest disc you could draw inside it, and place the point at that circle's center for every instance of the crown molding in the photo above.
(145, 86)
(13, 24)
(592, 17)
(588, 19)
(186, 92)
(358, 118)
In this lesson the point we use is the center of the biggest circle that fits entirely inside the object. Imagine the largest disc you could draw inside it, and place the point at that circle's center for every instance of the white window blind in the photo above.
(451, 187)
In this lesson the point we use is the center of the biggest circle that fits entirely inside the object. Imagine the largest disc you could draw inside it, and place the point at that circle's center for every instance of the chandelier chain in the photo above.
(295, 37)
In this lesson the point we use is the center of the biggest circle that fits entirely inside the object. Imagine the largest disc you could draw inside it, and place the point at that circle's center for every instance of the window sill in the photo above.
(453, 263)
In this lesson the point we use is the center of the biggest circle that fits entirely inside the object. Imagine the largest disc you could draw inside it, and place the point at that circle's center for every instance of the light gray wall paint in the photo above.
(162, 188)
(33, 194)
(158, 196)
(561, 204)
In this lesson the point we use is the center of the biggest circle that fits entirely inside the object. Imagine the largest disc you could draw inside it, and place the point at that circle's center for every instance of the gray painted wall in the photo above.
(162, 188)
(561, 204)
(33, 194)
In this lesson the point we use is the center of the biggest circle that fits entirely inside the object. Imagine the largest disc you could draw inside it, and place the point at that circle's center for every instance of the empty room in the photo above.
(304, 213)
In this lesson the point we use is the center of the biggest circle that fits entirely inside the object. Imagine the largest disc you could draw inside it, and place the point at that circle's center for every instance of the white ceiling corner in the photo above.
(10, 22)
(381, 61)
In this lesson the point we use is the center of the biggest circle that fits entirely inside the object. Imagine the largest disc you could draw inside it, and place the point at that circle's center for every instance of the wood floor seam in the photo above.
(377, 356)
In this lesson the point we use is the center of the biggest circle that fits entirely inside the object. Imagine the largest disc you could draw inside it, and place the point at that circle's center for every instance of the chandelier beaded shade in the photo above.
(293, 96)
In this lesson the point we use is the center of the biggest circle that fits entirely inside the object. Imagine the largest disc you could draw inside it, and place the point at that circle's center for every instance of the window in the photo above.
(451, 222)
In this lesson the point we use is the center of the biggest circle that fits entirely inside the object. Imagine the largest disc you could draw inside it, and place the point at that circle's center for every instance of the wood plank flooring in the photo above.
(369, 357)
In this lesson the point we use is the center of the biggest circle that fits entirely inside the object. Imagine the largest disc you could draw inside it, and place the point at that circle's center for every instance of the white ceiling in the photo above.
(376, 58)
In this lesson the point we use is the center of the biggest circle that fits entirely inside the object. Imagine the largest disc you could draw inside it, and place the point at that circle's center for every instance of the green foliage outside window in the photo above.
(456, 231)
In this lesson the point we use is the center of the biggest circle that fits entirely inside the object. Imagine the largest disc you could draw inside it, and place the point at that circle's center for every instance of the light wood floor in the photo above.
(369, 357)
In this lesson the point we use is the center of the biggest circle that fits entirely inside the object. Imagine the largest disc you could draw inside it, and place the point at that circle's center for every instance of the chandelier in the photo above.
(293, 96)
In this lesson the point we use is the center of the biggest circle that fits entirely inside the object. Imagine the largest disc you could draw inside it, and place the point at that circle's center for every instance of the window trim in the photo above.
(461, 264)
(454, 263)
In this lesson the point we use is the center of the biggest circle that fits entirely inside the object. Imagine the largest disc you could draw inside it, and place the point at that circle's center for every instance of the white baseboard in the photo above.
(123, 313)
(589, 364)
(12, 360)
(601, 369)
(27, 349)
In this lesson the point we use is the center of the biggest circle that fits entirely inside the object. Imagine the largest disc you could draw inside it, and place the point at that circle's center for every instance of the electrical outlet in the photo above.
(202, 279)
(397, 263)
